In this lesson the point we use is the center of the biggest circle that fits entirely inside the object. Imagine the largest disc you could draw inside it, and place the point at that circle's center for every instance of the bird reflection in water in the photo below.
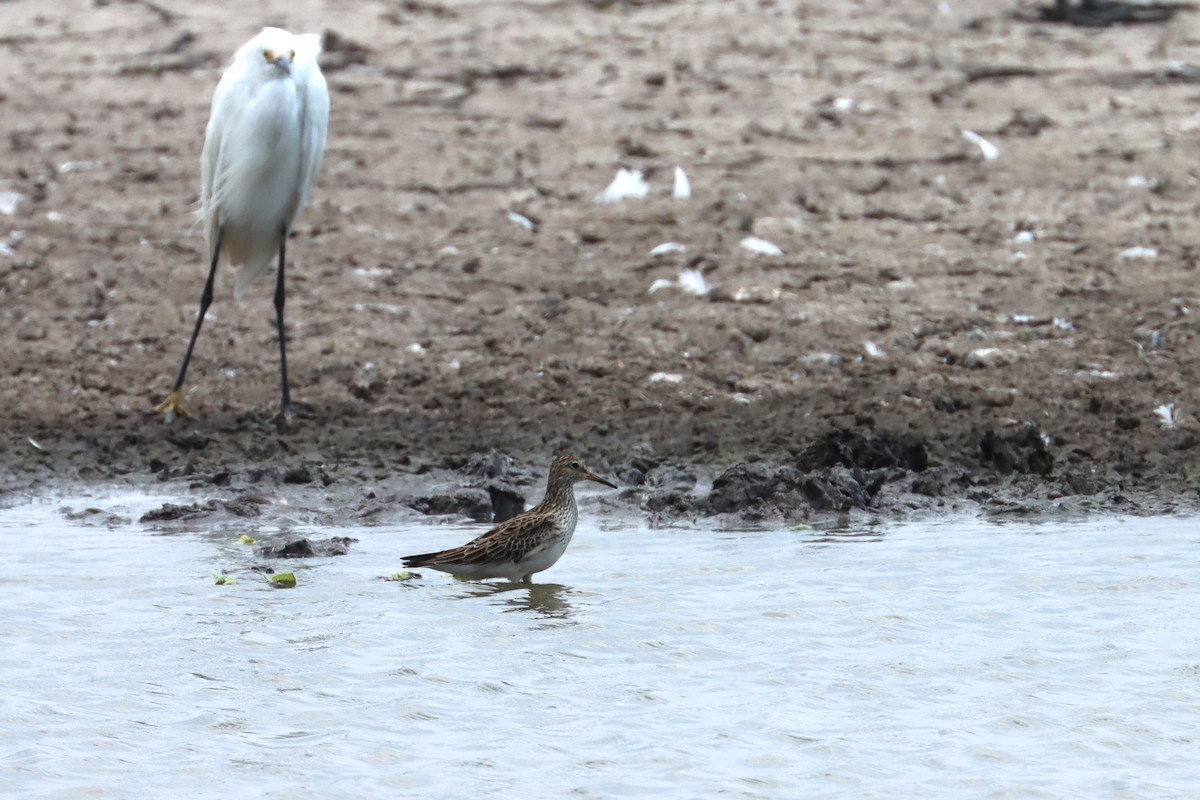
(545, 600)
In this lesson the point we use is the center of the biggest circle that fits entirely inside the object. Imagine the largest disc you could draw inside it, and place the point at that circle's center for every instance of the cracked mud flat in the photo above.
(940, 333)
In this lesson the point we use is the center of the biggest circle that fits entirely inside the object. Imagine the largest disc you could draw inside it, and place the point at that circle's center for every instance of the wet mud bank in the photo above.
(910, 276)
(255, 477)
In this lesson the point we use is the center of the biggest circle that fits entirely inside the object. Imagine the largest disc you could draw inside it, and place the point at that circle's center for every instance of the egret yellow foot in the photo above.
(172, 407)
(284, 420)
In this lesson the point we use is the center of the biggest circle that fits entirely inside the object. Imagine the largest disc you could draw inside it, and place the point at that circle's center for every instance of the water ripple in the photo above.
(949, 659)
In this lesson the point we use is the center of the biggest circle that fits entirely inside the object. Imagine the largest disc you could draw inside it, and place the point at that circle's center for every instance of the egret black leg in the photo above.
(285, 407)
(173, 405)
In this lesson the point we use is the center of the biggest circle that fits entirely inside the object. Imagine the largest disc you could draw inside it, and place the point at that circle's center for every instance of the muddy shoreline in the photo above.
(939, 331)
(829, 480)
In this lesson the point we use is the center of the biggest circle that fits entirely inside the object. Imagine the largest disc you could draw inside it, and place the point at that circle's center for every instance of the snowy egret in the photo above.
(262, 151)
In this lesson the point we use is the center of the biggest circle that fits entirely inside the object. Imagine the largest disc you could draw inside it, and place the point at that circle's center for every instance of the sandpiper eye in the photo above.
(574, 465)
(269, 55)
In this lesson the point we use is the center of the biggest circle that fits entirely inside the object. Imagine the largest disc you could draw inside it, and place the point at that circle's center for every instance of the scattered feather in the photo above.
(666, 377)
(9, 202)
(683, 187)
(873, 350)
(75, 166)
(1130, 253)
(415, 347)
(668, 247)
(987, 358)
(990, 151)
(1166, 414)
(387, 308)
(829, 359)
(1024, 237)
(843, 103)
(33, 442)
(760, 247)
(692, 281)
(760, 295)
(628, 183)
(522, 220)
(5, 250)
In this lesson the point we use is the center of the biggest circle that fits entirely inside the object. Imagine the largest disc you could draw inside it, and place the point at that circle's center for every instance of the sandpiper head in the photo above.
(571, 468)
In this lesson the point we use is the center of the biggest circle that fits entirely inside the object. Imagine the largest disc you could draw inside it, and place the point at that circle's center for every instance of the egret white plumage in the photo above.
(262, 151)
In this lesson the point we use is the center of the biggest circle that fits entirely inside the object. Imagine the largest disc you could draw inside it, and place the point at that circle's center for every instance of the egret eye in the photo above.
(269, 55)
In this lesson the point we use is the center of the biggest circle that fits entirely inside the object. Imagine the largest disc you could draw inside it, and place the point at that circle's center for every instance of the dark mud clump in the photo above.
(1025, 452)
(240, 506)
(873, 451)
(765, 489)
(308, 548)
(841, 470)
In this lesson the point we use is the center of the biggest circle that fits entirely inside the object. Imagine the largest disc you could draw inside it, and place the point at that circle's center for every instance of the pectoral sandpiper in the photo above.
(527, 543)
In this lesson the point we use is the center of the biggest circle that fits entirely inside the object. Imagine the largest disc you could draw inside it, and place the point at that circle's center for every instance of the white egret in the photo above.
(262, 151)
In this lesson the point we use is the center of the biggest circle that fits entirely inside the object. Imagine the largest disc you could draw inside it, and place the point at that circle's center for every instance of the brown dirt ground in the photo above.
(922, 290)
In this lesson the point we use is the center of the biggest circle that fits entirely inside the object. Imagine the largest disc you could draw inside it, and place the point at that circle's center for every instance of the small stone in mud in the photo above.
(668, 488)
(842, 489)
(506, 503)
(946, 481)
(308, 548)
(188, 440)
(246, 506)
(486, 465)
(644, 459)
(744, 485)
(473, 503)
(672, 476)
(301, 474)
(1079, 484)
(170, 511)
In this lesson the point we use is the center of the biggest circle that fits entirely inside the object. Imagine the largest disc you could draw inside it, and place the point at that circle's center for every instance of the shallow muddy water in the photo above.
(954, 658)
